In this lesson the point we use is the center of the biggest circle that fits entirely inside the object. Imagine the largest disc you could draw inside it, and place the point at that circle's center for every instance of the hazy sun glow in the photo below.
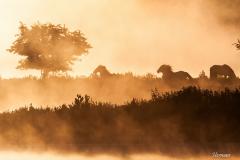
(124, 34)
(124, 113)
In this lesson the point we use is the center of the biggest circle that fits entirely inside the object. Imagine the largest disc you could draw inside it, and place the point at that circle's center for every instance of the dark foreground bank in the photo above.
(188, 121)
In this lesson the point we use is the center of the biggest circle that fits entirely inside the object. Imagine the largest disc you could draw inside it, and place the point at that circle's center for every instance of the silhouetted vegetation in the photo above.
(48, 47)
(237, 45)
(191, 120)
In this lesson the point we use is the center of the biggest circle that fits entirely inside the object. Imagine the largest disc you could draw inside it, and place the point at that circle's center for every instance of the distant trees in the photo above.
(48, 47)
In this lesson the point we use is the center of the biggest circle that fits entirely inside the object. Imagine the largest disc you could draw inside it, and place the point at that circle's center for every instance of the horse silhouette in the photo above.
(101, 71)
(222, 72)
(169, 75)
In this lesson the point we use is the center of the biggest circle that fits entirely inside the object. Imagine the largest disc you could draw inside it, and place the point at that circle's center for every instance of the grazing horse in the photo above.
(101, 71)
(169, 75)
(222, 72)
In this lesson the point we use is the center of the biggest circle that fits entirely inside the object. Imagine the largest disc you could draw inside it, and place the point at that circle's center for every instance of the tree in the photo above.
(48, 47)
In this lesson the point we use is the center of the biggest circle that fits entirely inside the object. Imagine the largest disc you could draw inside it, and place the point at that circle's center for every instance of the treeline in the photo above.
(188, 121)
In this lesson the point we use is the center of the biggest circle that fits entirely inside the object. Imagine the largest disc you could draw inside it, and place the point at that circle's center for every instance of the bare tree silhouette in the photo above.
(48, 47)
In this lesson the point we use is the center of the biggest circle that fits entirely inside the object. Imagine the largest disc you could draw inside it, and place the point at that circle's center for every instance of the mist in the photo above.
(52, 156)
(138, 36)
(132, 112)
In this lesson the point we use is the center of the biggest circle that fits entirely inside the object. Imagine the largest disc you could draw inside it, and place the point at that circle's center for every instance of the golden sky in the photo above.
(128, 35)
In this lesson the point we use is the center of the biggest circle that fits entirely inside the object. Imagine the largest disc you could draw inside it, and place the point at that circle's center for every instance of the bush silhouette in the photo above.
(191, 120)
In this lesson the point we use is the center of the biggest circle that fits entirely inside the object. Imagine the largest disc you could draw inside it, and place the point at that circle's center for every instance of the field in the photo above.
(53, 91)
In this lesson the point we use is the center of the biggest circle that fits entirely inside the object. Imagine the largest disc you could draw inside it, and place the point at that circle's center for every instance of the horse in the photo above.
(101, 71)
(222, 72)
(169, 75)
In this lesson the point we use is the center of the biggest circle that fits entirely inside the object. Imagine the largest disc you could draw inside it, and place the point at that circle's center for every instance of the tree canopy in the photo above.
(48, 47)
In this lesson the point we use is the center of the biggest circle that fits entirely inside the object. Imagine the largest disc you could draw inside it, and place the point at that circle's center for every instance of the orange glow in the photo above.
(137, 35)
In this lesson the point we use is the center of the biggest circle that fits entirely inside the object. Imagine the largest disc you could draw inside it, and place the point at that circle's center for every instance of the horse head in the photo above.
(164, 69)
